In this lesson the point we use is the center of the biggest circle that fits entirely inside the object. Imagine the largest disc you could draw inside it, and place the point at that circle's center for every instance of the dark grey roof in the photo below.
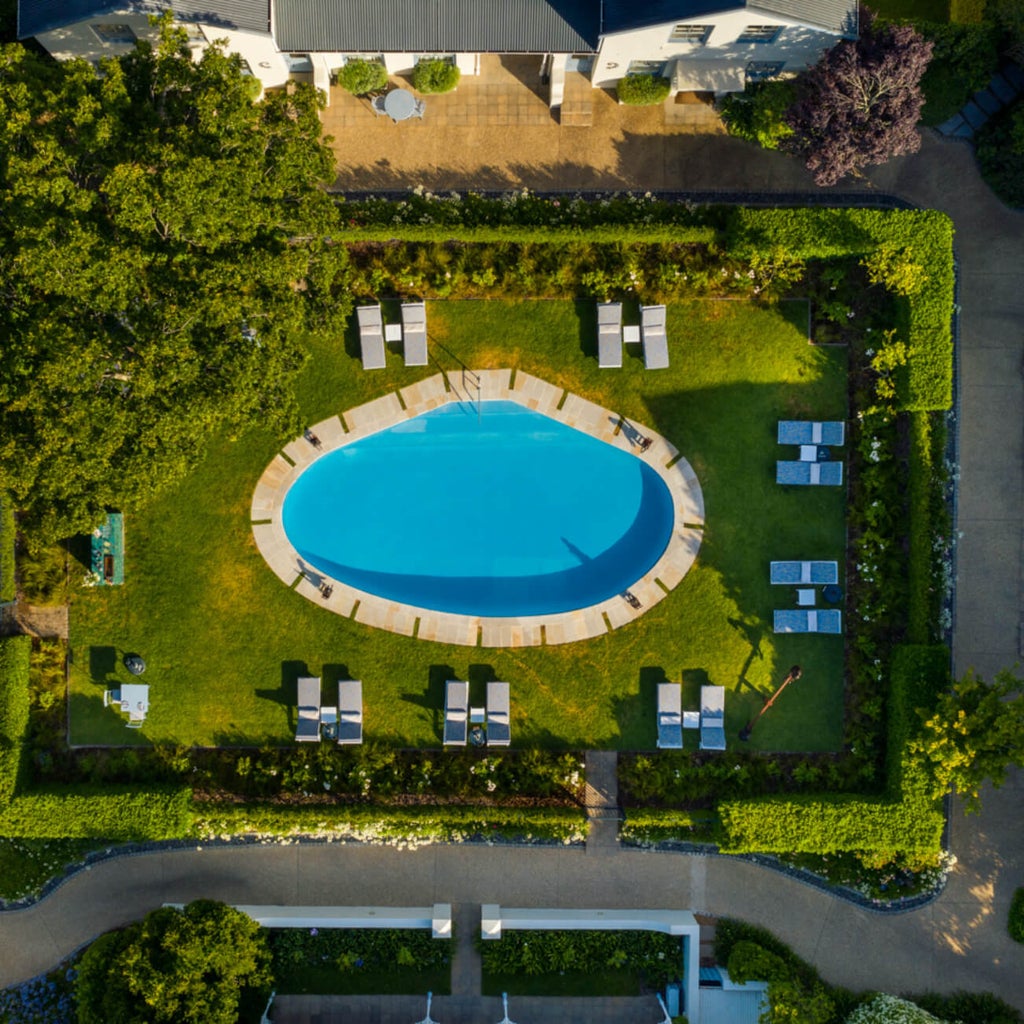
(437, 26)
(832, 15)
(35, 16)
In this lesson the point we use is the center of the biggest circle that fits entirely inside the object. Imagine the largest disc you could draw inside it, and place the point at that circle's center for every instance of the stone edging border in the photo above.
(472, 386)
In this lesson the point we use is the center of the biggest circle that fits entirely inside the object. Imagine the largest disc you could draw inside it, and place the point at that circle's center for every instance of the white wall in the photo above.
(798, 45)
(396, 63)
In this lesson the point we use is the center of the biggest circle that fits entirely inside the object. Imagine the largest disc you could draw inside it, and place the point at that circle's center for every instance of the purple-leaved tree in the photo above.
(861, 102)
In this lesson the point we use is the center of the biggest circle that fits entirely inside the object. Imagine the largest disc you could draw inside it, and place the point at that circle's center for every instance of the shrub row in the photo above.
(658, 957)
(924, 237)
(390, 824)
(347, 949)
(117, 813)
(14, 709)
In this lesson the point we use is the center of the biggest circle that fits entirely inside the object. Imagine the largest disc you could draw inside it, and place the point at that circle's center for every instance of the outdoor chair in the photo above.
(377, 103)
(653, 337)
(799, 620)
(456, 713)
(307, 729)
(414, 333)
(670, 716)
(609, 335)
(371, 337)
(831, 432)
(499, 725)
(350, 711)
(420, 109)
(111, 697)
(804, 573)
(712, 718)
(825, 474)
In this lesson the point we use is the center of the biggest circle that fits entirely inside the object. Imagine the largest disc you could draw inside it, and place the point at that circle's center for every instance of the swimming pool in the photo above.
(485, 509)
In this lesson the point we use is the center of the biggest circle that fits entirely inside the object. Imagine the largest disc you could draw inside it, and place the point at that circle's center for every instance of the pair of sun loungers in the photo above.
(671, 718)
(814, 467)
(372, 335)
(652, 336)
(806, 575)
(344, 721)
(457, 714)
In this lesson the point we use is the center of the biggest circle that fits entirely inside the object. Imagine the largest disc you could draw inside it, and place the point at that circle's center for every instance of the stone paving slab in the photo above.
(330, 432)
(301, 452)
(370, 417)
(537, 394)
(509, 633)
(424, 395)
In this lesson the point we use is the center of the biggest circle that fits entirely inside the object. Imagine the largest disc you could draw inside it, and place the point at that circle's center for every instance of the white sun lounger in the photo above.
(652, 334)
(826, 474)
(609, 335)
(350, 711)
(670, 716)
(499, 723)
(831, 432)
(456, 713)
(371, 337)
(414, 333)
(307, 729)
(814, 574)
(797, 620)
(712, 718)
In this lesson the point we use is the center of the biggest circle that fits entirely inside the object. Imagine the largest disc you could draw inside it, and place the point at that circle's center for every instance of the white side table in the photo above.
(477, 715)
(806, 597)
(631, 335)
(392, 332)
(691, 719)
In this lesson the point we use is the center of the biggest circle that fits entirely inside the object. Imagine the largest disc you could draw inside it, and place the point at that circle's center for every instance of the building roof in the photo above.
(437, 26)
(832, 15)
(36, 16)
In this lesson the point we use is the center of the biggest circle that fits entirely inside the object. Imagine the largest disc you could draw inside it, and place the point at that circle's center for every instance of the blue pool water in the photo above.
(493, 511)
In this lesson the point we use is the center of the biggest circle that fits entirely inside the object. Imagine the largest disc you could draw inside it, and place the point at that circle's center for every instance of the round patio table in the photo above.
(399, 104)
(832, 593)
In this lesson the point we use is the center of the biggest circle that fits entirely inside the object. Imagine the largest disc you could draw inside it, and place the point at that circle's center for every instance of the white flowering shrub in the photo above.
(885, 1009)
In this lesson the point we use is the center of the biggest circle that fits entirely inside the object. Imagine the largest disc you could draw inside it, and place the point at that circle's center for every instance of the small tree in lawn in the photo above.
(860, 104)
(974, 735)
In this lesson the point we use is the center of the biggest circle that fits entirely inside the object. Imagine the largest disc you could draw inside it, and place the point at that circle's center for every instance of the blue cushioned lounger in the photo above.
(670, 716)
(831, 432)
(827, 474)
(798, 620)
(812, 574)
(609, 335)
(712, 718)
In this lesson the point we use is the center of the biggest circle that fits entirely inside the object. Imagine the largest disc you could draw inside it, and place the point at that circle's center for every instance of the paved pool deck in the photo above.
(470, 387)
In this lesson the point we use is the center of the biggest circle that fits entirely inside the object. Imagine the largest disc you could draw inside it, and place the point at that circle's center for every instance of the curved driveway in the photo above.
(958, 941)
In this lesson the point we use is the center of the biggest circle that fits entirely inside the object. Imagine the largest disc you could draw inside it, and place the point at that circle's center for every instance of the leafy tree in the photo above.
(793, 997)
(758, 114)
(174, 965)
(162, 251)
(860, 103)
(975, 733)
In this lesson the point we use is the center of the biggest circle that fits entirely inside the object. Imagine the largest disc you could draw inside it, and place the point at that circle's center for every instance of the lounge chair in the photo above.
(831, 432)
(712, 718)
(670, 716)
(456, 713)
(371, 337)
(377, 103)
(609, 335)
(414, 333)
(308, 728)
(350, 711)
(112, 697)
(827, 474)
(420, 109)
(499, 723)
(652, 334)
(797, 620)
(804, 573)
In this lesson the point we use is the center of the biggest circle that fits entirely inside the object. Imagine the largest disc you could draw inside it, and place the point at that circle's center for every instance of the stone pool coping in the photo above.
(478, 630)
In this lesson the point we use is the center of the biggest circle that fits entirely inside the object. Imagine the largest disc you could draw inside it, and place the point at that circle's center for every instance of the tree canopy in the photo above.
(174, 965)
(164, 246)
(860, 104)
(975, 733)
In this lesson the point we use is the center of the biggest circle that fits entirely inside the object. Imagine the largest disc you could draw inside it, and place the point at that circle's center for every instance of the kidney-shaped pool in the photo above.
(484, 509)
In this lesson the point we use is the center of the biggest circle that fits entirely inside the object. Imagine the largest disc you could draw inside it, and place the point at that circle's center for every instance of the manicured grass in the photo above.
(224, 639)
(912, 10)
(26, 864)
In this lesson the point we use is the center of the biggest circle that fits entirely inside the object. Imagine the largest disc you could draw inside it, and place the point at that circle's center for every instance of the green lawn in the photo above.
(224, 639)
(912, 10)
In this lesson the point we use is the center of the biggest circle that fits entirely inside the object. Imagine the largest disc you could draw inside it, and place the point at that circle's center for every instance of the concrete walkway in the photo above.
(958, 941)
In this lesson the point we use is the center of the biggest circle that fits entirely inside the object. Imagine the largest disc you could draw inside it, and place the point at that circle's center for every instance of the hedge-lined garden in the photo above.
(889, 269)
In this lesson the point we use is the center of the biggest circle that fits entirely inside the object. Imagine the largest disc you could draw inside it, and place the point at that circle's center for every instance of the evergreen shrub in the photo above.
(435, 76)
(642, 90)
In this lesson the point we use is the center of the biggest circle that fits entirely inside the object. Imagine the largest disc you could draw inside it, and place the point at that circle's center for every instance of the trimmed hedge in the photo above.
(643, 90)
(360, 77)
(927, 234)
(918, 675)
(117, 813)
(435, 76)
(1015, 921)
(14, 708)
(403, 824)
(555, 233)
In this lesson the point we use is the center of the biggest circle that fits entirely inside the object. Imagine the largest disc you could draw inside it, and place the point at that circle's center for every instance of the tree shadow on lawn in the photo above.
(433, 699)
(102, 665)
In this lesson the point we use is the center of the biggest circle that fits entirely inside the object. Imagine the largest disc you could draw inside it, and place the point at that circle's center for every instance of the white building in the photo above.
(700, 45)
